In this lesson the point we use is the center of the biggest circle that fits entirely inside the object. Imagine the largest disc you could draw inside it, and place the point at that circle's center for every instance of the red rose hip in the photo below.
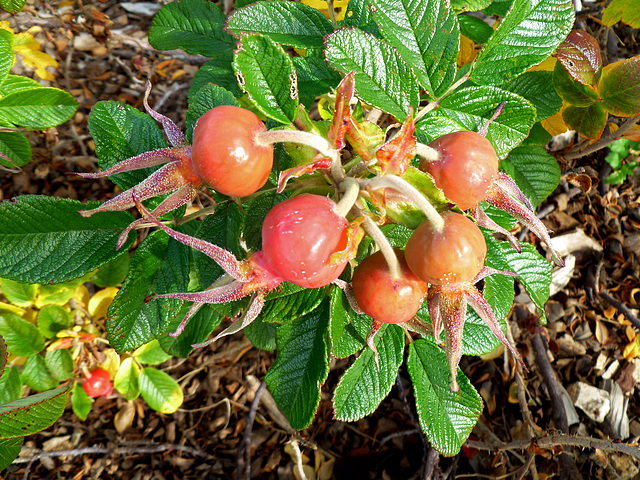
(98, 383)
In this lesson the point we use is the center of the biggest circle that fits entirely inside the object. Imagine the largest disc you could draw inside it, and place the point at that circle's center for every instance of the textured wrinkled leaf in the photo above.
(32, 414)
(262, 334)
(315, 78)
(359, 15)
(620, 87)
(363, 386)
(218, 71)
(120, 132)
(427, 36)
(12, 6)
(588, 121)
(537, 87)
(159, 390)
(195, 26)
(382, 78)
(498, 7)
(21, 337)
(469, 5)
(471, 108)
(285, 22)
(17, 83)
(9, 450)
(81, 403)
(222, 229)
(112, 273)
(256, 210)
(60, 364)
(159, 265)
(626, 11)
(301, 366)
(580, 55)
(446, 418)
(529, 33)
(535, 171)
(198, 330)
(36, 375)
(10, 385)
(6, 53)
(44, 240)
(266, 73)
(37, 108)
(15, 146)
(289, 302)
(475, 28)
(208, 97)
(347, 329)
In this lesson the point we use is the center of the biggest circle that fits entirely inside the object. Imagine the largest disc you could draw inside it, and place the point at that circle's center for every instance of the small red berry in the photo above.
(299, 237)
(384, 298)
(452, 256)
(225, 153)
(466, 167)
(98, 383)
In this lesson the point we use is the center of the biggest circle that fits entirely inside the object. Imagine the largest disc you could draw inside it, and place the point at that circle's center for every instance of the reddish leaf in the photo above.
(620, 87)
(395, 156)
(588, 121)
(572, 91)
(342, 113)
(318, 161)
(580, 55)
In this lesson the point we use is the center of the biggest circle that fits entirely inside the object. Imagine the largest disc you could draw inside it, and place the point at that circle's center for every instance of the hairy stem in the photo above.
(426, 152)
(351, 189)
(383, 244)
(412, 193)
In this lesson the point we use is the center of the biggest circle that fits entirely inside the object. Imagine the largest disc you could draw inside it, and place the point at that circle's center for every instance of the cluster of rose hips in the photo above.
(309, 239)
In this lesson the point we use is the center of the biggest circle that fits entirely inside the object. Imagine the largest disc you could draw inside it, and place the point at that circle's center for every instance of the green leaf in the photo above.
(498, 7)
(572, 91)
(208, 97)
(17, 83)
(620, 87)
(301, 366)
(32, 414)
(469, 5)
(197, 330)
(44, 240)
(285, 22)
(195, 26)
(427, 36)
(537, 136)
(126, 379)
(6, 53)
(363, 386)
(161, 392)
(218, 71)
(537, 87)
(112, 273)
(9, 450)
(120, 132)
(382, 78)
(151, 354)
(60, 364)
(348, 330)
(15, 146)
(159, 265)
(38, 108)
(474, 28)
(289, 302)
(21, 337)
(315, 78)
(256, 210)
(262, 334)
(446, 418)
(36, 375)
(471, 108)
(588, 121)
(626, 11)
(580, 55)
(3, 356)
(18, 293)
(535, 171)
(266, 73)
(529, 33)
(10, 385)
(359, 15)
(52, 319)
(81, 403)
(12, 6)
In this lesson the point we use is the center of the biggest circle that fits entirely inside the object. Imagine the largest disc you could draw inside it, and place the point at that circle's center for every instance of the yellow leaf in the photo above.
(339, 6)
(100, 302)
(29, 48)
(555, 124)
(4, 25)
(467, 51)
(632, 350)
(112, 363)
(549, 65)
